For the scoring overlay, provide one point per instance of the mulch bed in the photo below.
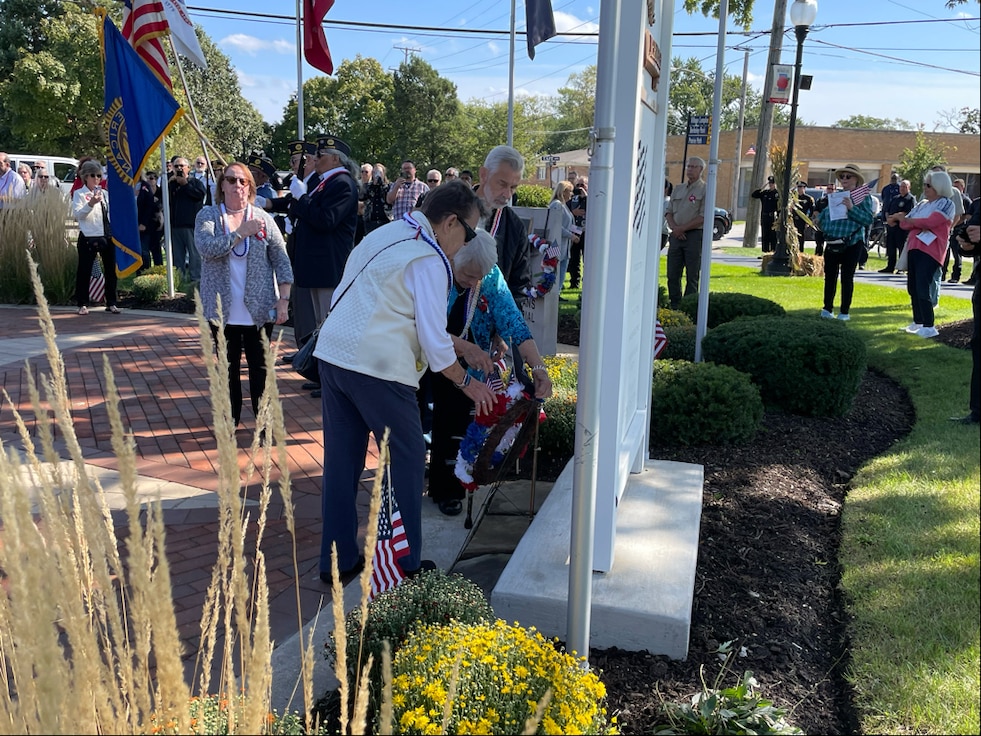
(767, 574)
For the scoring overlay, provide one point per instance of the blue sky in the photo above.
(875, 66)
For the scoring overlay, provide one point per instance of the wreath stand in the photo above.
(484, 474)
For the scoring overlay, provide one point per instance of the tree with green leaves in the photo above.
(915, 162)
(575, 110)
(424, 106)
(869, 122)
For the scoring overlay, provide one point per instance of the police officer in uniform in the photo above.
(768, 213)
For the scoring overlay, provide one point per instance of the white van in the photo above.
(62, 168)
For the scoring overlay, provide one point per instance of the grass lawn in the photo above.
(911, 525)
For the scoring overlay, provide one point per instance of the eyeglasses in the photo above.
(93, 176)
(843, 177)
(469, 232)
(201, 163)
(928, 185)
(433, 181)
(237, 180)
(43, 176)
(180, 166)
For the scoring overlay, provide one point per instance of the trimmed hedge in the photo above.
(807, 366)
(681, 343)
(726, 306)
(703, 403)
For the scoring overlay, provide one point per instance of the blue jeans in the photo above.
(921, 274)
(353, 405)
(182, 242)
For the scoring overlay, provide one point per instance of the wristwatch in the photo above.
(464, 383)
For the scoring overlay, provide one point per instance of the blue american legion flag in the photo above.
(390, 546)
(138, 112)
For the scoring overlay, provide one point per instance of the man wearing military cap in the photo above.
(263, 171)
(325, 219)
(768, 213)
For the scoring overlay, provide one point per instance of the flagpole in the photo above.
(299, 75)
(511, 82)
(205, 143)
(168, 251)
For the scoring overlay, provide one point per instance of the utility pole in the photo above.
(407, 50)
(739, 134)
(766, 125)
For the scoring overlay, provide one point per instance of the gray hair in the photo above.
(89, 167)
(940, 181)
(504, 155)
(697, 160)
(481, 253)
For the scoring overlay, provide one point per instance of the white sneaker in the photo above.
(844, 317)
(826, 314)
(912, 328)
(927, 332)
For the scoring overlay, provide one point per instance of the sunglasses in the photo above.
(237, 180)
(44, 176)
(433, 181)
(928, 185)
(93, 176)
(469, 232)
(842, 177)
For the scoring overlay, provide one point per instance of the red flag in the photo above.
(660, 339)
(145, 26)
(314, 41)
(390, 547)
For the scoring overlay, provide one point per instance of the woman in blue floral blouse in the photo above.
(482, 319)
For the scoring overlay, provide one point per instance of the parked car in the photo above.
(60, 167)
(722, 224)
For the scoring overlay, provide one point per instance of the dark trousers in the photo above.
(249, 339)
(353, 405)
(976, 356)
(895, 240)
(151, 245)
(920, 275)
(818, 243)
(953, 253)
(767, 232)
(88, 249)
(424, 397)
(452, 414)
(684, 257)
(843, 264)
(575, 262)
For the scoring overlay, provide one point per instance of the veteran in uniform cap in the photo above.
(325, 218)
(263, 172)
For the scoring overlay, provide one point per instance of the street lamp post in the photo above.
(802, 15)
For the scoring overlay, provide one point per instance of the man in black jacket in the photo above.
(499, 178)
(895, 235)
(768, 213)
(186, 200)
(325, 219)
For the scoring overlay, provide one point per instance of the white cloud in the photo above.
(566, 23)
(267, 93)
(252, 46)
(493, 48)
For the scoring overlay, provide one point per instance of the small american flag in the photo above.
(859, 195)
(97, 283)
(390, 547)
(494, 381)
(660, 339)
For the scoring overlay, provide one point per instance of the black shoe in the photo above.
(885, 270)
(954, 280)
(288, 358)
(310, 386)
(426, 565)
(450, 507)
(315, 394)
(346, 575)
(969, 419)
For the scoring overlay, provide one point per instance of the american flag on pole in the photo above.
(859, 194)
(660, 339)
(390, 547)
(494, 381)
(145, 26)
(97, 283)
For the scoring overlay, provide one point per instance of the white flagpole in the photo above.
(299, 75)
(511, 82)
(168, 252)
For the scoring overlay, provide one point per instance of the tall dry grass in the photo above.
(39, 224)
(89, 644)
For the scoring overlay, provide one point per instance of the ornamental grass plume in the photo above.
(90, 645)
(505, 671)
(42, 225)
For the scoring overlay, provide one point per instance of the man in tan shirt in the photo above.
(685, 217)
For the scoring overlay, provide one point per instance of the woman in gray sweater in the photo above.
(244, 261)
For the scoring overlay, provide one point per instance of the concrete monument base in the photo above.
(645, 601)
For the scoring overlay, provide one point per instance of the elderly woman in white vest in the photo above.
(386, 325)
(243, 260)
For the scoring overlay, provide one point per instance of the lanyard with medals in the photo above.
(421, 232)
(224, 224)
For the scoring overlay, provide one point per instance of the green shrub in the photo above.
(531, 195)
(501, 673)
(807, 366)
(681, 342)
(149, 288)
(433, 597)
(703, 403)
(557, 434)
(662, 294)
(673, 317)
(726, 306)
